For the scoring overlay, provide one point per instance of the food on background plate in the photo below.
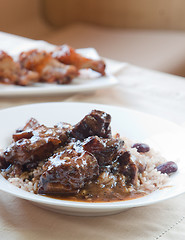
(49, 69)
(82, 162)
(12, 73)
(60, 66)
(69, 56)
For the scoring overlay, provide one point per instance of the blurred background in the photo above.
(146, 33)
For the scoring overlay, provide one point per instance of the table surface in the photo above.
(139, 89)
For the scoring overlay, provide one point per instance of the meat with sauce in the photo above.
(127, 167)
(96, 123)
(34, 144)
(80, 162)
(67, 172)
(31, 124)
(104, 149)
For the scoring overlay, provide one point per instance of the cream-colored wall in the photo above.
(148, 14)
(37, 18)
(22, 17)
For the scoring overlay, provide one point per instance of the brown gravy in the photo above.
(125, 197)
(94, 193)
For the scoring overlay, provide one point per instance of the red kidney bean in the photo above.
(167, 167)
(141, 147)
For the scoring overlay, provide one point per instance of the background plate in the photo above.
(87, 81)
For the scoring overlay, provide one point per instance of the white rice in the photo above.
(150, 179)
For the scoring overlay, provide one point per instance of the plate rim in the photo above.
(59, 89)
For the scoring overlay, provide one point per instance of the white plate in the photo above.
(78, 85)
(167, 137)
(87, 81)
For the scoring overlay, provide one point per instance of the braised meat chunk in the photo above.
(49, 69)
(104, 149)
(33, 145)
(3, 163)
(31, 124)
(68, 55)
(111, 152)
(67, 172)
(27, 130)
(96, 123)
(127, 167)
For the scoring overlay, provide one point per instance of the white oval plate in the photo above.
(165, 136)
(87, 81)
(42, 89)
